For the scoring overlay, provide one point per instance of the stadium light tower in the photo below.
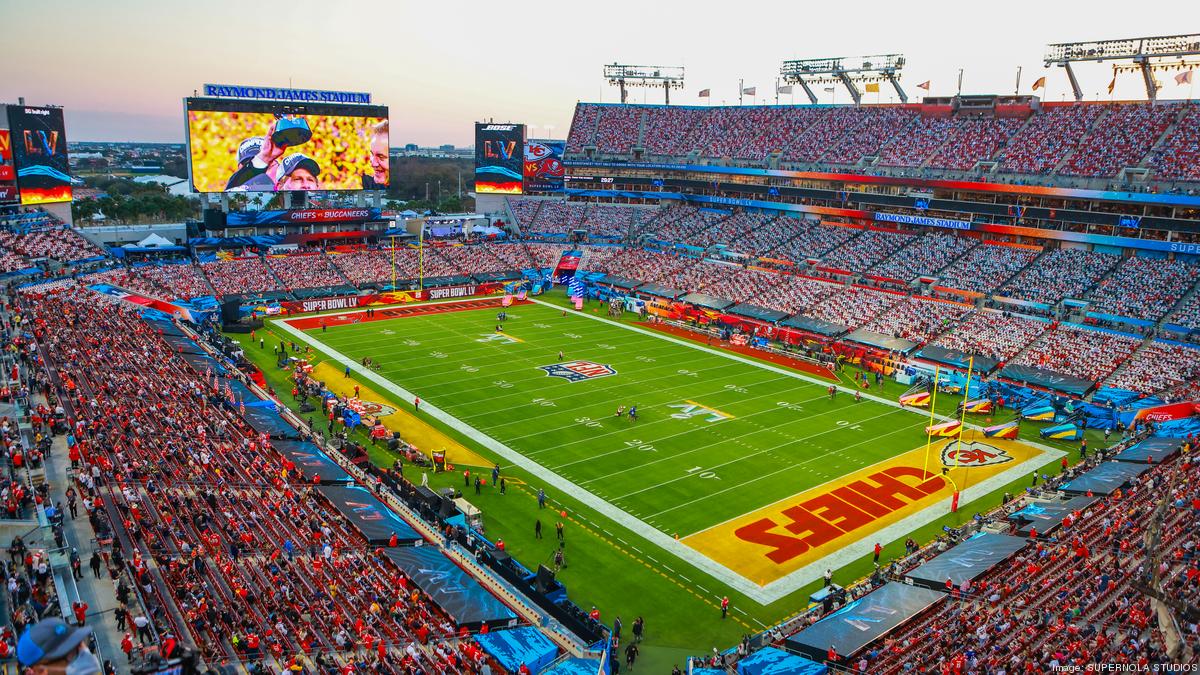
(848, 71)
(652, 77)
(1146, 52)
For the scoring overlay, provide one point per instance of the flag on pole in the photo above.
(787, 89)
(1184, 78)
(1039, 83)
(872, 88)
(924, 85)
(1113, 84)
(750, 91)
(705, 93)
(828, 90)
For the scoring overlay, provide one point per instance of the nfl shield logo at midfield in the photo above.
(574, 371)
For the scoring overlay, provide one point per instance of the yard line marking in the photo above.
(745, 457)
(838, 451)
(653, 441)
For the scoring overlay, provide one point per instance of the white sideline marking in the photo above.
(763, 595)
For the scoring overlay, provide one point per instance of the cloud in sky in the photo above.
(122, 68)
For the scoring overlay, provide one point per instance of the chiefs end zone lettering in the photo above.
(826, 517)
(778, 539)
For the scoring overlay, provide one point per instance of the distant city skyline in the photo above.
(122, 69)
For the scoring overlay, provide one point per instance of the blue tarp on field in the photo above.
(1105, 479)
(862, 621)
(373, 519)
(574, 666)
(462, 597)
(1152, 450)
(519, 645)
(967, 561)
(312, 461)
(1046, 517)
(772, 661)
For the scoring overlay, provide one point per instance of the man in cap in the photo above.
(298, 172)
(257, 156)
(250, 176)
(51, 646)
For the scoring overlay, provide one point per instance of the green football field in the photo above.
(714, 438)
(718, 436)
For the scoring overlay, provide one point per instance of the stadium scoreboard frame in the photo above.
(375, 120)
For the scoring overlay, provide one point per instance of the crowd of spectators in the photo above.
(853, 306)
(1121, 139)
(924, 256)
(259, 566)
(972, 140)
(373, 266)
(1178, 156)
(1159, 366)
(1144, 288)
(1093, 140)
(583, 127)
(991, 334)
(617, 129)
(1065, 601)
(58, 243)
(918, 319)
(1060, 273)
(984, 268)
(1085, 353)
(1188, 314)
(240, 275)
(867, 250)
(305, 270)
(1048, 137)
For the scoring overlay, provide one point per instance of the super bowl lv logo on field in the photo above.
(574, 371)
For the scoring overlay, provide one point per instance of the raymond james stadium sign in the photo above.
(282, 94)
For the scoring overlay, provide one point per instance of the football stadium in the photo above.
(759, 388)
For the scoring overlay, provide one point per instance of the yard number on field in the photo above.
(696, 471)
(639, 445)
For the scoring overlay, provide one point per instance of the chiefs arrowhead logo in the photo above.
(973, 454)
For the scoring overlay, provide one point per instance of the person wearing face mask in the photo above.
(51, 647)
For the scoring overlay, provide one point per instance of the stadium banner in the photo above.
(499, 158)
(38, 137)
(927, 221)
(462, 597)
(543, 165)
(301, 216)
(288, 94)
(328, 304)
(771, 542)
(1032, 375)
(248, 146)
(1172, 411)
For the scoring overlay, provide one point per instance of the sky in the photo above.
(122, 67)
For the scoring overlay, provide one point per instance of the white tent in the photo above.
(151, 241)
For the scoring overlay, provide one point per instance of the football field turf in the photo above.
(749, 471)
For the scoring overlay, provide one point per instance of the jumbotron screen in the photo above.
(39, 148)
(499, 158)
(250, 146)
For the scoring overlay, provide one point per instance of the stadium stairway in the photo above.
(1097, 125)
(1128, 360)
(1161, 140)
(340, 273)
(1184, 299)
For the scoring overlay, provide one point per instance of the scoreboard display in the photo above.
(499, 158)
